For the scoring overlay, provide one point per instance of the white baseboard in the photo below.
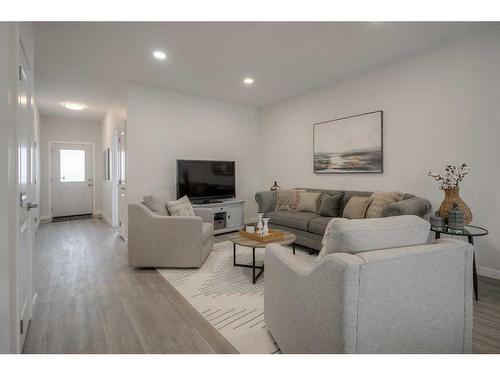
(488, 272)
(105, 218)
(45, 219)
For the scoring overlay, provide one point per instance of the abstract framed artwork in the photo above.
(350, 144)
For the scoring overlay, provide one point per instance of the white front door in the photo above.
(25, 228)
(122, 184)
(72, 179)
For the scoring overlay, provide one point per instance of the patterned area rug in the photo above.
(225, 296)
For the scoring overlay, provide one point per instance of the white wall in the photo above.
(116, 117)
(64, 129)
(440, 107)
(164, 126)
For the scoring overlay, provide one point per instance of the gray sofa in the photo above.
(309, 227)
(377, 287)
(168, 241)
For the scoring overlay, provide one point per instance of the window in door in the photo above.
(72, 165)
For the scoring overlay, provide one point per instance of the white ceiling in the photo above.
(90, 62)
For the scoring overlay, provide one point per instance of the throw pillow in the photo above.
(157, 203)
(180, 207)
(330, 204)
(380, 200)
(287, 200)
(308, 201)
(356, 207)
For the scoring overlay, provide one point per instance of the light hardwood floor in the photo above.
(90, 301)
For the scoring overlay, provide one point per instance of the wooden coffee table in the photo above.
(288, 239)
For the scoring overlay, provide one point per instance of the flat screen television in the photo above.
(206, 180)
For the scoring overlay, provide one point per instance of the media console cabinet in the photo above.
(228, 215)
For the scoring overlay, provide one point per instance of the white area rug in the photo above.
(225, 296)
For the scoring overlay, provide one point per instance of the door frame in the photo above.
(49, 169)
(115, 216)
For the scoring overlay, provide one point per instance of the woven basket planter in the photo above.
(451, 196)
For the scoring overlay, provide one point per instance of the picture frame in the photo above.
(351, 144)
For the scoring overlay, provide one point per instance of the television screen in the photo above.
(205, 179)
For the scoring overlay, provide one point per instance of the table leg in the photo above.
(474, 271)
(293, 247)
(437, 236)
(234, 254)
(253, 264)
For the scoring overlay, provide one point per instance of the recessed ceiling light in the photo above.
(160, 55)
(73, 106)
(248, 81)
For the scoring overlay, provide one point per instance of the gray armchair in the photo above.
(412, 298)
(168, 241)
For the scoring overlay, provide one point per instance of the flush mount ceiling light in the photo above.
(74, 106)
(248, 81)
(160, 55)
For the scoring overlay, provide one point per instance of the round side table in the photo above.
(469, 231)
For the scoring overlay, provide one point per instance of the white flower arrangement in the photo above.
(452, 177)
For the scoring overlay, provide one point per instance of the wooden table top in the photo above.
(288, 239)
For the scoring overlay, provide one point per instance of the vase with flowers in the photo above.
(449, 184)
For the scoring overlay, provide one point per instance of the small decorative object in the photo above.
(273, 235)
(456, 218)
(350, 144)
(449, 184)
(275, 186)
(260, 225)
(437, 222)
(265, 229)
(250, 229)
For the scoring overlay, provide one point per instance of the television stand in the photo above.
(228, 215)
(205, 202)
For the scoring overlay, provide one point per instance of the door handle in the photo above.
(31, 205)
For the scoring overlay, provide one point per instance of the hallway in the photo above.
(90, 301)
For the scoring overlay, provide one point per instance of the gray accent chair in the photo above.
(168, 241)
(364, 295)
(310, 227)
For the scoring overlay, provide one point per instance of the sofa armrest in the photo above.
(310, 307)
(412, 206)
(206, 214)
(288, 261)
(266, 200)
(153, 238)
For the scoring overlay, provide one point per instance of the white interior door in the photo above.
(122, 183)
(72, 179)
(25, 190)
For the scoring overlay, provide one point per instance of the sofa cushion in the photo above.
(287, 200)
(308, 201)
(330, 204)
(207, 231)
(381, 200)
(157, 203)
(356, 207)
(292, 219)
(319, 224)
(180, 207)
(348, 194)
(353, 236)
